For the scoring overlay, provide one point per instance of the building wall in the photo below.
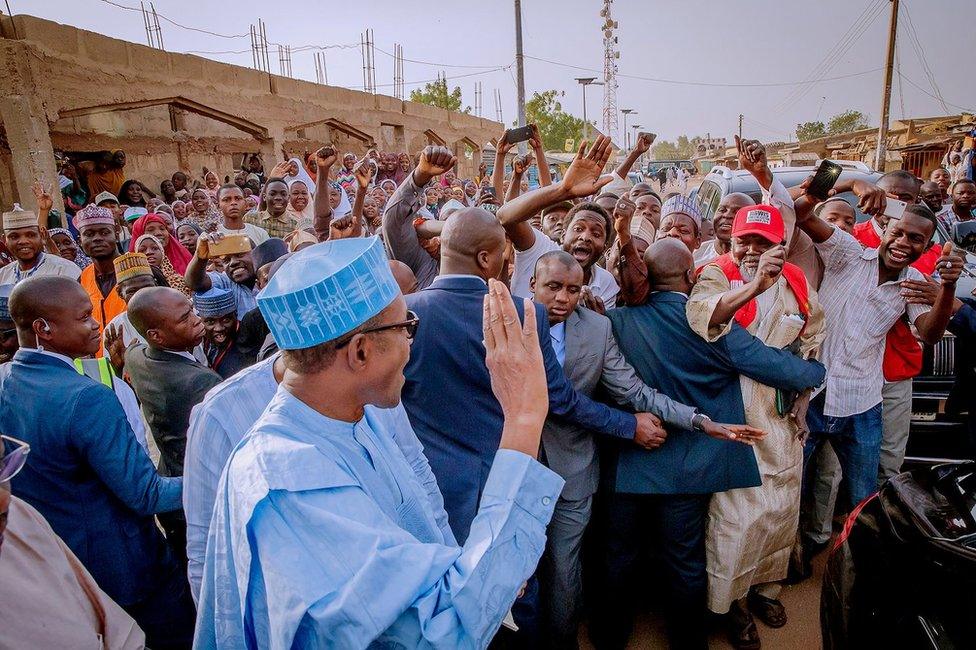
(48, 69)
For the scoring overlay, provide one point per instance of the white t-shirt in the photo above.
(601, 284)
(257, 234)
(49, 265)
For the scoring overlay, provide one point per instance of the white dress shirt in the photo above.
(601, 281)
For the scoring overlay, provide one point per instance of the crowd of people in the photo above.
(363, 401)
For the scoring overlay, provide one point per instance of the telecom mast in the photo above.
(610, 56)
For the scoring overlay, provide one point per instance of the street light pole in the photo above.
(635, 127)
(626, 112)
(585, 81)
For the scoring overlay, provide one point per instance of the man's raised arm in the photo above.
(581, 179)
(321, 204)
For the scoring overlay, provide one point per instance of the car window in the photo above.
(709, 196)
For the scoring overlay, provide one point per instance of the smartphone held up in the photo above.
(824, 180)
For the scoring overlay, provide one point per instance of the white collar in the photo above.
(877, 228)
(57, 355)
(462, 275)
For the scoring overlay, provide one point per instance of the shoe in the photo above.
(741, 628)
(770, 611)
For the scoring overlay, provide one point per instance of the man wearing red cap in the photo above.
(753, 286)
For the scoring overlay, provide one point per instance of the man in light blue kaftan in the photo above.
(324, 533)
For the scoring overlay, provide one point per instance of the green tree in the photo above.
(555, 126)
(436, 94)
(846, 122)
(682, 149)
(810, 131)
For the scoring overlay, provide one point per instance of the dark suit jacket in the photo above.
(669, 356)
(448, 395)
(593, 360)
(87, 474)
(963, 325)
(168, 387)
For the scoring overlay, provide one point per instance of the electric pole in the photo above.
(881, 152)
(520, 71)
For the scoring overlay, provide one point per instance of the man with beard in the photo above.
(753, 286)
(221, 327)
(230, 201)
(273, 220)
(98, 235)
(169, 382)
(399, 233)
(238, 277)
(670, 487)
(587, 226)
(8, 332)
(722, 228)
(862, 297)
(88, 476)
(22, 235)
(963, 204)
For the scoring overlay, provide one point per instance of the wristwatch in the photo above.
(698, 421)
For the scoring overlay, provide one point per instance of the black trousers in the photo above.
(674, 525)
(167, 616)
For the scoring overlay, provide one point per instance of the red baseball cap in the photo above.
(762, 220)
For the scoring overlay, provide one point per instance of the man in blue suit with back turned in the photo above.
(86, 473)
(670, 487)
(448, 394)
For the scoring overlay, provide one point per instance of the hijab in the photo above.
(175, 252)
(173, 279)
(306, 217)
(302, 175)
(81, 259)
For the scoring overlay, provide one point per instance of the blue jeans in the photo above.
(856, 440)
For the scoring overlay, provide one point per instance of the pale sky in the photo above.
(747, 42)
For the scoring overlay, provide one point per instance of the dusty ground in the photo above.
(802, 632)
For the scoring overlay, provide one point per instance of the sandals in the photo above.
(741, 628)
(770, 611)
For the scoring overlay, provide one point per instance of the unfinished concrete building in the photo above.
(76, 91)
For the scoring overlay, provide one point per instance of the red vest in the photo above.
(794, 279)
(903, 354)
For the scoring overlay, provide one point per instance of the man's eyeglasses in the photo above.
(14, 458)
(409, 325)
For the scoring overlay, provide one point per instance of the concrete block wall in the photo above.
(65, 68)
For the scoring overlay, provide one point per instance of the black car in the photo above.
(902, 574)
(934, 433)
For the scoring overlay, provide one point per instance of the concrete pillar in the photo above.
(32, 154)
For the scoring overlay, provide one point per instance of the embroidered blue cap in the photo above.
(5, 290)
(214, 303)
(684, 205)
(327, 290)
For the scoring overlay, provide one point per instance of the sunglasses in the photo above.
(409, 325)
(13, 461)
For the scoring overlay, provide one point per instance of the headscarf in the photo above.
(344, 206)
(81, 259)
(173, 279)
(211, 219)
(174, 251)
(306, 216)
(302, 175)
(208, 175)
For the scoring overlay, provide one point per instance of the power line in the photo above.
(707, 83)
(438, 65)
(173, 22)
(920, 53)
(922, 90)
(834, 54)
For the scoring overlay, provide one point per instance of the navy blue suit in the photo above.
(88, 476)
(448, 395)
(672, 485)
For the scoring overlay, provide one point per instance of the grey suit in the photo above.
(592, 359)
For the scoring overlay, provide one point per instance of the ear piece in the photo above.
(44, 325)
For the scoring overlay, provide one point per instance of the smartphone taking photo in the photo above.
(521, 134)
(825, 178)
(894, 209)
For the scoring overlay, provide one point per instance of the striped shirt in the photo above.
(858, 312)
